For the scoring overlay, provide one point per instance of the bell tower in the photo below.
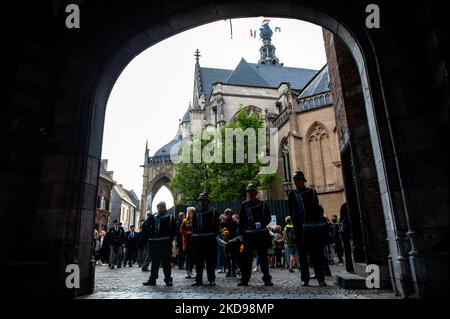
(267, 50)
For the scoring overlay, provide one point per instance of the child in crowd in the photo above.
(289, 237)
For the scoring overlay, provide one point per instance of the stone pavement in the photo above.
(126, 283)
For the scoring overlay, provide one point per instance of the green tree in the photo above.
(223, 181)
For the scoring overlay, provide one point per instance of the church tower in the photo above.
(267, 50)
(198, 101)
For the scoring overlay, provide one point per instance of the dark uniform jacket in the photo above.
(160, 227)
(116, 236)
(304, 208)
(251, 213)
(205, 222)
(131, 239)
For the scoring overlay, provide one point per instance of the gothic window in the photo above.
(328, 98)
(320, 161)
(316, 101)
(322, 100)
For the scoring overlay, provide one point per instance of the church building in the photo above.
(296, 101)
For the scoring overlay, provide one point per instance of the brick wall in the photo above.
(351, 119)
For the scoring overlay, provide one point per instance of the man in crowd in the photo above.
(254, 219)
(116, 239)
(181, 256)
(144, 235)
(345, 236)
(205, 224)
(161, 229)
(336, 240)
(131, 238)
(311, 231)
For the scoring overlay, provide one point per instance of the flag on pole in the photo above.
(253, 33)
(277, 29)
(265, 21)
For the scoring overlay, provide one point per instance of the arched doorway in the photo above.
(161, 183)
(98, 55)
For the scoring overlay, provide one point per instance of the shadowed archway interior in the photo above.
(81, 66)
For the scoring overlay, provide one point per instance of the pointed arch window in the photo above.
(319, 149)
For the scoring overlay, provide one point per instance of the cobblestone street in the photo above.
(126, 283)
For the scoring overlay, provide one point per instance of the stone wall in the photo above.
(353, 130)
(58, 81)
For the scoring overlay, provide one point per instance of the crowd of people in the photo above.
(228, 242)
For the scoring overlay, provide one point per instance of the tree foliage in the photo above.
(223, 181)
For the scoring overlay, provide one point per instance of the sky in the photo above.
(154, 90)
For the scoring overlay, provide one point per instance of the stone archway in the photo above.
(158, 171)
(89, 60)
(156, 184)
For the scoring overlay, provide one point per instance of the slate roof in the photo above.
(123, 194)
(165, 150)
(318, 84)
(104, 174)
(210, 76)
(132, 196)
(244, 74)
(187, 116)
(255, 74)
(274, 75)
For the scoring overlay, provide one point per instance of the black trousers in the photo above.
(278, 256)
(189, 260)
(252, 244)
(130, 255)
(161, 251)
(230, 261)
(205, 251)
(317, 257)
(348, 253)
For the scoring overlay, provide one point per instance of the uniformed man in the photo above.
(131, 238)
(116, 238)
(311, 231)
(254, 217)
(205, 228)
(161, 234)
(144, 236)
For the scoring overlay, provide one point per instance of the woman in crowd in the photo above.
(186, 237)
(278, 245)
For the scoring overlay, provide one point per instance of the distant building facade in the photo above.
(105, 186)
(296, 101)
(123, 208)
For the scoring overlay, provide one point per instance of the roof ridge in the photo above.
(239, 68)
(315, 77)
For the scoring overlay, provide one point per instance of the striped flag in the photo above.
(253, 33)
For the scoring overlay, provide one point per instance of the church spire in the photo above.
(146, 152)
(267, 50)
